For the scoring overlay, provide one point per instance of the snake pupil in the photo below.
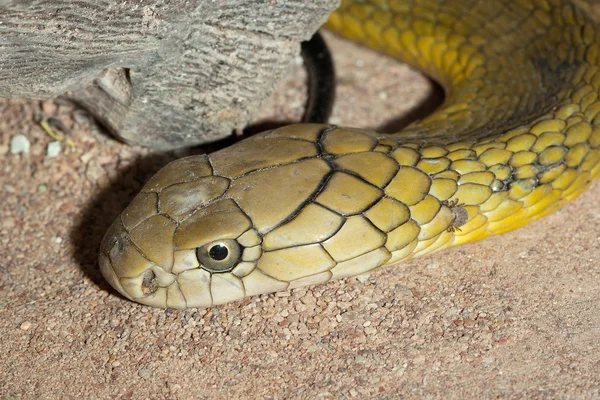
(218, 252)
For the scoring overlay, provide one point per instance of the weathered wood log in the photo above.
(159, 74)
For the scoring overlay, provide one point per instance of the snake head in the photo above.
(194, 235)
(268, 214)
(179, 243)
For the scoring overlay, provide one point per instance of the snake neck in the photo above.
(529, 59)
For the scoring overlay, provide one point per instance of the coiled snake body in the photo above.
(517, 137)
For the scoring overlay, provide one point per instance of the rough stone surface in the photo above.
(514, 316)
(159, 74)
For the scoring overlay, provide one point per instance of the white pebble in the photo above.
(19, 144)
(53, 149)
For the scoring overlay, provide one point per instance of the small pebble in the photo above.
(25, 326)
(53, 149)
(85, 158)
(42, 188)
(488, 361)
(19, 144)
(370, 330)
(145, 373)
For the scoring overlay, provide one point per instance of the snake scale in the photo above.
(517, 137)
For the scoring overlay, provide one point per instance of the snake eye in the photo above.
(218, 252)
(219, 256)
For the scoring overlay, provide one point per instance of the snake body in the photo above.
(517, 137)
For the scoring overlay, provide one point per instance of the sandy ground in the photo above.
(515, 316)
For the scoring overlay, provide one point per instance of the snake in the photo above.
(517, 137)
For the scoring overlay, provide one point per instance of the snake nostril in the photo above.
(149, 283)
